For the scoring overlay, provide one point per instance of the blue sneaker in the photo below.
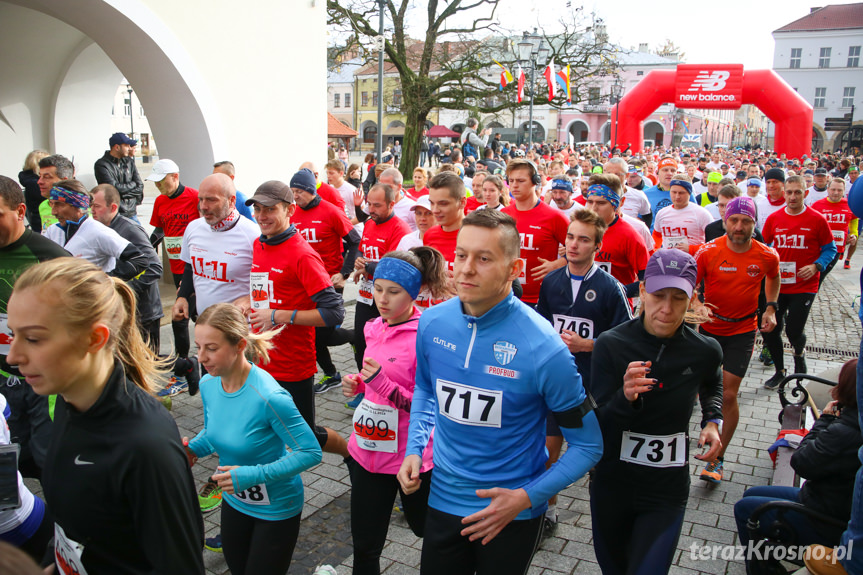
(214, 544)
(175, 386)
(356, 401)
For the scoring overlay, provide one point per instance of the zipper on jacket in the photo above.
(470, 347)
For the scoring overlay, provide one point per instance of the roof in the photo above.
(343, 73)
(336, 129)
(834, 17)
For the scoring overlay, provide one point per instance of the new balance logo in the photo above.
(707, 82)
(687, 371)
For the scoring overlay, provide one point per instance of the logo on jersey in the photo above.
(727, 267)
(707, 82)
(504, 352)
(444, 343)
(753, 271)
(663, 203)
(590, 295)
(501, 371)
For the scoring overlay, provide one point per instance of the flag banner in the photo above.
(520, 84)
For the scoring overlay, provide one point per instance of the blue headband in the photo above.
(71, 197)
(402, 273)
(604, 191)
(682, 184)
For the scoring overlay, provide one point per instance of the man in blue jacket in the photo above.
(489, 369)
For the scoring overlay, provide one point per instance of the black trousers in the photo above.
(256, 546)
(372, 498)
(303, 394)
(362, 314)
(326, 337)
(447, 552)
(180, 328)
(792, 315)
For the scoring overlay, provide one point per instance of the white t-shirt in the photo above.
(764, 208)
(714, 166)
(642, 230)
(94, 241)
(636, 203)
(814, 195)
(402, 209)
(698, 188)
(347, 190)
(568, 211)
(412, 240)
(682, 228)
(713, 208)
(222, 261)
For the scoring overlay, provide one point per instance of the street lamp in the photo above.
(532, 52)
(131, 113)
(616, 93)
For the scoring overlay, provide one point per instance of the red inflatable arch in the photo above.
(716, 86)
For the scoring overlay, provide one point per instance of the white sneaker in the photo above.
(325, 570)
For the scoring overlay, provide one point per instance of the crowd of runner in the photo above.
(510, 301)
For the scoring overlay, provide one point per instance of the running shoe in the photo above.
(210, 496)
(800, 363)
(356, 401)
(775, 380)
(193, 377)
(176, 386)
(327, 383)
(549, 526)
(847, 265)
(325, 570)
(765, 357)
(713, 472)
(214, 544)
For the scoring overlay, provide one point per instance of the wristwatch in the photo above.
(819, 267)
(772, 304)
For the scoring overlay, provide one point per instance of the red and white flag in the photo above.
(550, 78)
(520, 84)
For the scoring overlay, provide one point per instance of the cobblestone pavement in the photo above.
(834, 335)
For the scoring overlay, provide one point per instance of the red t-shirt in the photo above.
(324, 226)
(542, 229)
(331, 195)
(415, 194)
(623, 251)
(839, 216)
(580, 199)
(378, 239)
(798, 240)
(444, 242)
(295, 272)
(471, 204)
(732, 282)
(173, 215)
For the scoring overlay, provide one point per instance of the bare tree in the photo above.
(669, 49)
(453, 66)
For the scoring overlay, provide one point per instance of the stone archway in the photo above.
(580, 131)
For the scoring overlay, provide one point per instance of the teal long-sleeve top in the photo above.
(260, 429)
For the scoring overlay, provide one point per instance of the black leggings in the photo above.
(256, 546)
(180, 328)
(828, 269)
(446, 550)
(325, 337)
(372, 497)
(150, 332)
(796, 306)
(303, 394)
(632, 541)
(362, 314)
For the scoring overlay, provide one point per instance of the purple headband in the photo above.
(742, 205)
(71, 197)
(682, 184)
(400, 272)
(604, 191)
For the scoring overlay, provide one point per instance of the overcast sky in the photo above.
(727, 31)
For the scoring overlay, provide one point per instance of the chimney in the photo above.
(814, 9)
(642, 47)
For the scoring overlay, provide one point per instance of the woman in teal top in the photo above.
(262, 441)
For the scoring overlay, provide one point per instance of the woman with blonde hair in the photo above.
(116, 477)
(29, 178)
(262, 440)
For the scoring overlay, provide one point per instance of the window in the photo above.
(397, 97)
(593, 96)
(141, 113)
(639, 73)
(336, 98)
(365, 98)
(796, 55)
(820, 97)
(127, 107)
(848, 97)
(370, 134)
(347, 99)
(824, 59)
(854, 56)
(375, 98)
